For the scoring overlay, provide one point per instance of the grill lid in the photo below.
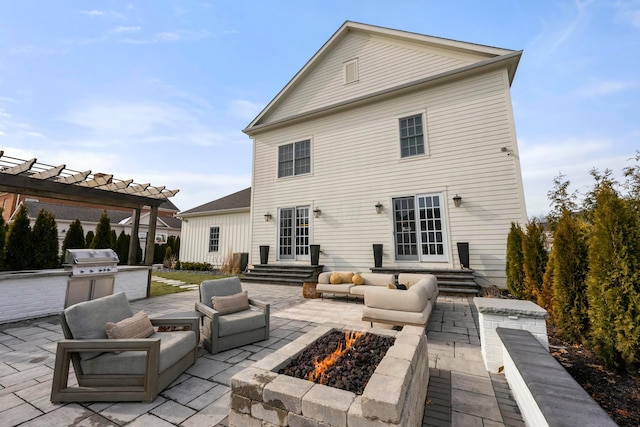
(91, 257)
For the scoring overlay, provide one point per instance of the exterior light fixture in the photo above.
(267, 217)
(317, 212)
(379, 208)
(457, 201)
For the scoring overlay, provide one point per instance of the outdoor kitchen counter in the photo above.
(38, 293)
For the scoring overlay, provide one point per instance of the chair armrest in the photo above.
(259, 303)
(105, 345)
(192, 323)
(206, 310)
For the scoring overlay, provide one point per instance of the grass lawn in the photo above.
(159, 289)
(187, 276)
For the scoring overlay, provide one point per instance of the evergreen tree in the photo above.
(514, 270)
(45, 237)
(570, 256)
(88, 239)
(545, 298)
(113, 238)
(74, 239)
(535, 260)
(3, 239)
(19, 248)
(122, 247)
(139, 253)
(102, 239)
(176, 247)
(613, 281)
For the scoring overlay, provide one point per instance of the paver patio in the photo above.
(461, 392)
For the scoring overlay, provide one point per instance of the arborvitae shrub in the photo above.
(515, 273)
(545, 297)
(19, 248)
(45, 234)
(74, 239)
(176, 247)
(89, 238)
(102, 239)
(570, 256)
(534, 260)
(613, 281)
(122, 247)
(113, 238)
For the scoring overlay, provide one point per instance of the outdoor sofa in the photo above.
(412, 306)
(347, 282)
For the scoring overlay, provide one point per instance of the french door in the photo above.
(419, 228)
(293, 233)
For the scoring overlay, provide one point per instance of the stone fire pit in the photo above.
(394, 396)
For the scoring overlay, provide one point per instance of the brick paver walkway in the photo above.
(461, 392)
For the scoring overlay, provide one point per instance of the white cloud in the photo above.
(541, 161)
(599, 88)
(106, 13)
(93, 12)
(244, 109)
(122, 29)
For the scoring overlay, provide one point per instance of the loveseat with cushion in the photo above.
(351, 284)
(402, 307)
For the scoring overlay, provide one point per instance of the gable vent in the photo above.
(351, 71)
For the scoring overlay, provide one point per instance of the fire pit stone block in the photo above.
(286, 392)
(384, 397)
(327, 404)
(270, 414)
(241, 404)
(250, 382)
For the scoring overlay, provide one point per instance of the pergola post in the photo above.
(133, 243)
(151, 236)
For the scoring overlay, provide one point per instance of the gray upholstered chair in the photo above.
(222, 332)
(118, 369)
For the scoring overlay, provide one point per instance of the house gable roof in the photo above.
(404, 59)
(240, 200)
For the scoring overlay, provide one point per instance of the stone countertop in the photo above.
(509, 307)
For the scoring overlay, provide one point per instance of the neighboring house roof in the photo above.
(240, 200)
(168, 205)
(88, 215)
(485, 56)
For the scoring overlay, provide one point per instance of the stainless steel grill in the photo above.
(91, 262)
(92, 274)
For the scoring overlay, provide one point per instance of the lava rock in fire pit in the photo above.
(352, 367)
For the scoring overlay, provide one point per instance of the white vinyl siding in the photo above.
(234, 236)
(356, 164)
(381, 64)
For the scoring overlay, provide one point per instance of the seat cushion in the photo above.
(412, 300)
(334, 289)
(397, 317)
(173, 347)
(241, 321)
(378, 279)
(87, 320)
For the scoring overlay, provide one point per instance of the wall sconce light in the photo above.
(317, 212)
(379, 208)
(457, 201)
(267, 217)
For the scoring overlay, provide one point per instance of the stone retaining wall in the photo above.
(394, 396)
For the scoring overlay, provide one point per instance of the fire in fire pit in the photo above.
(341, 360)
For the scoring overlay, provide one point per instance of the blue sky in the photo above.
(159, 91)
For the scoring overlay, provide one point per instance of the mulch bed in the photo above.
(618, 393)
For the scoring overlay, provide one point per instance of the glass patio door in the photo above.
(419, 228)
(293, 233)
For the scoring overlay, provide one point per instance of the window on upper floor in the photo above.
(412, 136)
(214, 239)
(294, 159)
(351, 71)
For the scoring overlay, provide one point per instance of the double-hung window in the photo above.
(294, 158)
(214, 239)
(411, 136)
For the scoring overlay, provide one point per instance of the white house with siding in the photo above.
(370, 143)
(213, 230)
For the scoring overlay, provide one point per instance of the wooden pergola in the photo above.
(58, 182)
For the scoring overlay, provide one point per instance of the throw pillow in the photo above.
(391, 286)
(136, 326)
(231, 303)
(335, 279)
(401, 287)
(357, 279)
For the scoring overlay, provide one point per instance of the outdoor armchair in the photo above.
(121, 369)
(233, 322)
